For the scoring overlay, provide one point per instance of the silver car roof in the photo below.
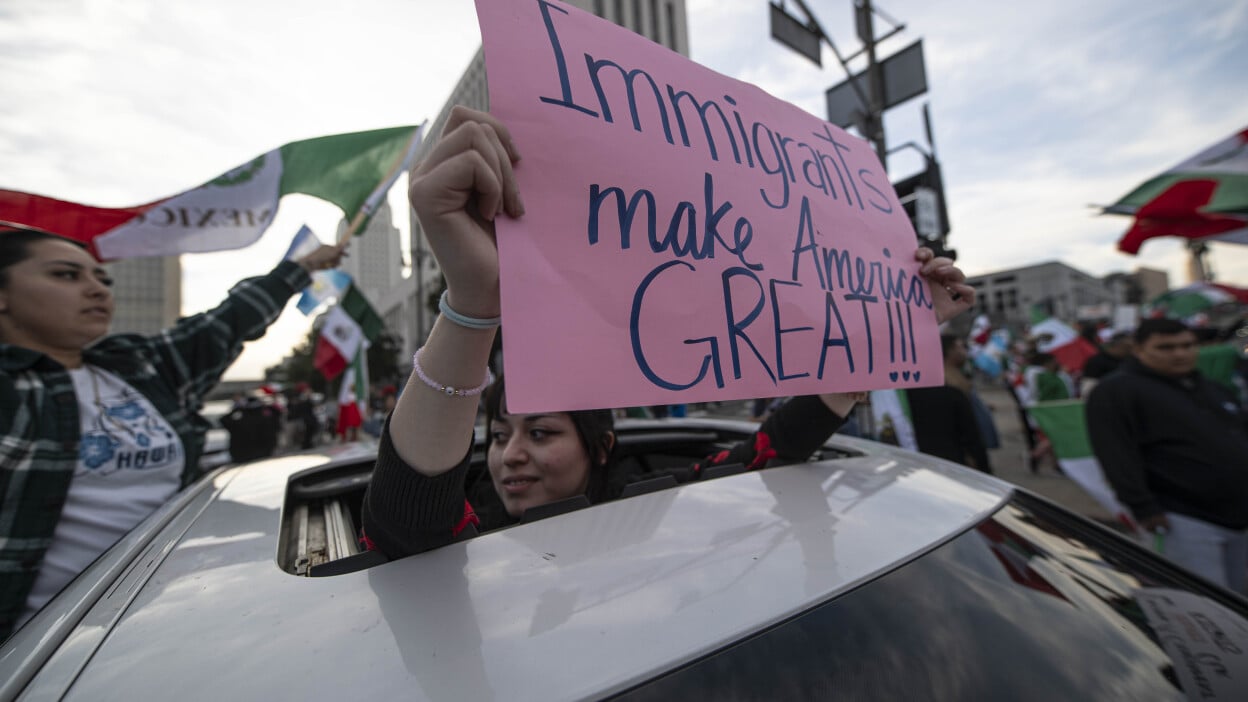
(576, 606)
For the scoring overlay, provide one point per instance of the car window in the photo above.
(1028, 605)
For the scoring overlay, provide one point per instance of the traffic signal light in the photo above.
(922, 195)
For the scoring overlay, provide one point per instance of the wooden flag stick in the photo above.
(391, 176)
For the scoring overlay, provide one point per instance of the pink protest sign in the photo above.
(687, 236)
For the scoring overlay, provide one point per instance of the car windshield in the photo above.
(1028, 605)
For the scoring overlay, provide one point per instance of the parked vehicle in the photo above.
(866, 572)
(217, 440)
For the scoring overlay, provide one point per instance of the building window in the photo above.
(655, 33)
(638, 25)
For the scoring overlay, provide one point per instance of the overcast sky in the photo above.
(1039, 109)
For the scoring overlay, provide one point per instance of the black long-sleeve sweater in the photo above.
(406, 512)
(1171, 444)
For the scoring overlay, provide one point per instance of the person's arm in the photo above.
(457, 191)
(1115, 438)
(198, 349)
(405, 512)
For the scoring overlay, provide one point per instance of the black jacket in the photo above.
(1171, 444)
(945, 426)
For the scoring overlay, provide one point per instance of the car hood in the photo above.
(580, 605)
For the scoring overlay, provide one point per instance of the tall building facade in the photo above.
(147, 293)
(374, 258)
(661, 21)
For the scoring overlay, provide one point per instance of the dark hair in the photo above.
(15, 247)
(1041, 358)
(1158, 326)
(594, 428)
(946, 343)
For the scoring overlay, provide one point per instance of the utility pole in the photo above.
(862, 99)
(872, 121)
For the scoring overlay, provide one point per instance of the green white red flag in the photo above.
(1205, 197)
(354, 171)
(890, 412)
(1060, 339)
(348, 328)
(1065, 424)
(1189, 301)
(354, 387)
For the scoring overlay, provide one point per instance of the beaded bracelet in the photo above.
(445, 389)
(464, 320)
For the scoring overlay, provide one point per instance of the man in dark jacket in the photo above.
(1174, 446)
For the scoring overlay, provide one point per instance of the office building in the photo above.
(1061, 291)
(147, 294)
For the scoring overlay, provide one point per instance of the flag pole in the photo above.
(369, 205)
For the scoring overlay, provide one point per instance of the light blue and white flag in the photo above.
(325, 284)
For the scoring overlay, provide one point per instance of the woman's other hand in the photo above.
(842, 403)
(951, 295)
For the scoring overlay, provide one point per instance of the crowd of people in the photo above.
(269, 420)
(1164, 406)
(97, 430)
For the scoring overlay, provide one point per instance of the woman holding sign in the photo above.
(416, 500)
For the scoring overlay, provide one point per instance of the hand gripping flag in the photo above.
(325, 284)
(354, 171)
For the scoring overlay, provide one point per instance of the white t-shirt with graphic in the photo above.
(129, 463)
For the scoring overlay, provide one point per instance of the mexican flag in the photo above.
(354, 171)
(1060, 339)
(1204, 197)
(890, 410)
(349, 327)
(1191, 300)
(355, 381)
(1066, 426)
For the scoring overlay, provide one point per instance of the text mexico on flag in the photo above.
(348, 327)
(353, 171)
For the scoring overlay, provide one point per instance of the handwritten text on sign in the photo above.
(687, 237)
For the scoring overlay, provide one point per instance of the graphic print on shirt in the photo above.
(124, 435)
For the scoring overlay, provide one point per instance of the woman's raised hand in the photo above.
(951, 295)
(457, 191)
